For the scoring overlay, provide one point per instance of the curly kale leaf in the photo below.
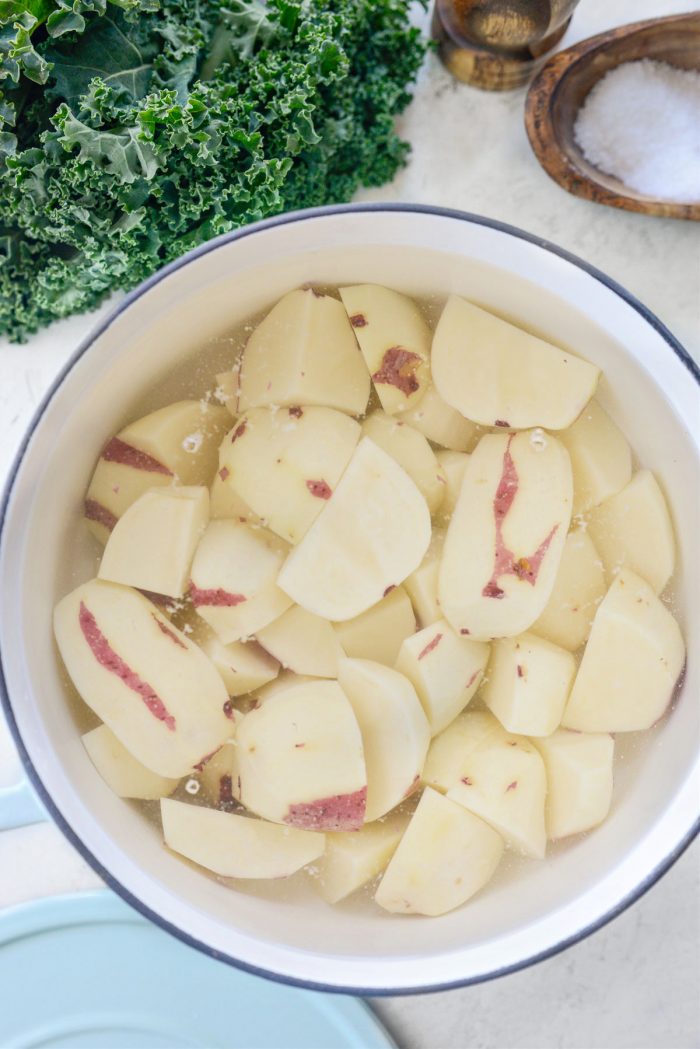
(156, 130)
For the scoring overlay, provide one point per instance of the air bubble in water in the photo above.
(193, 442)
(192, 786)
(538, 439)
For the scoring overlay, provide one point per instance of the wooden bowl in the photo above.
(560, 88)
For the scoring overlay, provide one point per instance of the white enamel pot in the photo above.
(650, 386)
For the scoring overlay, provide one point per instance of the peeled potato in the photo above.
(303, 352)
(153, 542)
(395, 343)
(440, 423)
(422, 584)
(286, 463)
(412, 452)
(395, 731)
(366, 540)
(174, 445)
(234, 579)
(633, 530)
(499, 375)
(579, 768)
(352, 858)
(601, 458)
(445, 856)
(503, 781)
(153, 687)
(528, 682)
(444, 765)
(303, 643)
(377, 634)
(120, 770)
(453, 466)
(299, 758)
(579, 587)
(244, 666)
(506, 536)
(445, 669)
(631, 664)
(236, 846)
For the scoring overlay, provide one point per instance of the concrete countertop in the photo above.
(635, 982)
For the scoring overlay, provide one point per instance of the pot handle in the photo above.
(19, 806)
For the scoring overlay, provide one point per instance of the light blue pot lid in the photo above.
(86, 972)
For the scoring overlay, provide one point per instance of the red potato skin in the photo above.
(358, 320)
(224, 472)
(118, 451)
(202, 762)
(505, 561)
(398, 368)
(218, 598)
(95, 511)
(108, 658)
(239, 431)
(338, 813)
(320, 489)
(431, 646)
(164, 629)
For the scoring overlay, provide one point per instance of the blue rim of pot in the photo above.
(112, 883)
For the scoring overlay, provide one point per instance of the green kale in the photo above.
(133, 130)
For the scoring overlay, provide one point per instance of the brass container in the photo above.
(498, 45)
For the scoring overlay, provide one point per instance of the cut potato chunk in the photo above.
(445, 856)
(579, 587)
(579, 770)
(499, 375)
(224, 500)
(440, 423)
(631, 664)
(236, 846)
(174, 444)
(633, 530)
(377, 633)
(422, 585)
(506, 536)
(299, 758)
(285, 463)
(503, 781)
(352, 858)
(601, 458)
(445, 670)
(153, 687)
(303, 643)
(368, 538)
(217, 774)
(453, 466)
(304, 352)
(234, 579)
(395, 343)
(395, 731)
(411, 451)
(443, 767)
(153, 542)
(284, 680)
(244, 666)
(527, 684)
(120, 770)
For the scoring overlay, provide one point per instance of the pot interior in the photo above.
(164, 345)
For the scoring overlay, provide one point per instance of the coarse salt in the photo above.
(641, 123)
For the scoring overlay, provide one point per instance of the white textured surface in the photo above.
(634, 983)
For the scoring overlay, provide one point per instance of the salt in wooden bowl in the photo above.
(560, 88)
